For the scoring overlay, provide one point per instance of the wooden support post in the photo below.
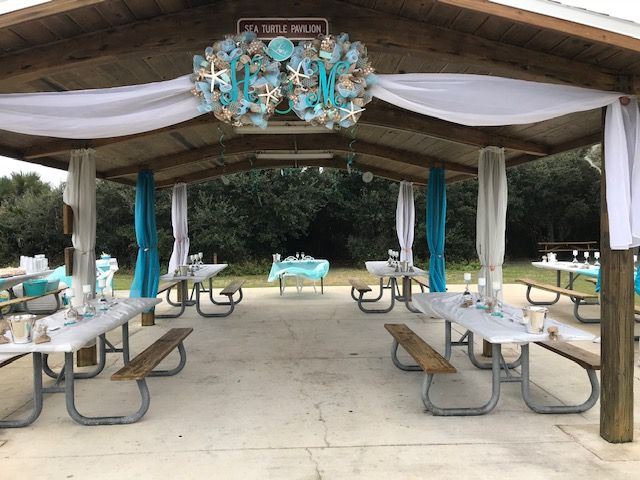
(87, 356)
(148, 319)
(68, 260)
(67, 219)
(617, 317)
(487, 351)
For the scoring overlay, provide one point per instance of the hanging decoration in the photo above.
(325, 81)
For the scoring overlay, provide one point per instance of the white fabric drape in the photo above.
(180, 227)
(405, 221)
(483, 100)
(475, 100)
(80, 195)
(622, 164)
(100, 113)
(492, 213)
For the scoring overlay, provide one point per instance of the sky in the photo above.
(627, 9)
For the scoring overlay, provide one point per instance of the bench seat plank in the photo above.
(19, 300)
(146, 361)
(555, 289)
(164, 286)
(233, 287)
(582, 357)
(359, 285)
(428, 359)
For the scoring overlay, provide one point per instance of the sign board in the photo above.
(292, 28)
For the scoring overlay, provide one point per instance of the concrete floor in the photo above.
(302, 387)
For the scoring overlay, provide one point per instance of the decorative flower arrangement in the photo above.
(242, 80)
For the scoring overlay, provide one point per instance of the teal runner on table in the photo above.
(436, 216)
(311, 269)
(147, 273)
(636, 281)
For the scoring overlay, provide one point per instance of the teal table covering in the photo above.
(311, 269)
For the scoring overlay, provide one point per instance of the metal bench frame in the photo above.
(68, 376)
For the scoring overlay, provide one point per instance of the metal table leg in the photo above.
(37, 397)
(216, 302)
(113, 420)
(381, 310)
(230, 304)
(183, 302)
(538, 408)
(467, 411)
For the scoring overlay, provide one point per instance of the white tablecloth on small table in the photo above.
(570, 267)
(507, 329)
(382, 269)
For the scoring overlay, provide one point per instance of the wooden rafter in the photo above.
(257, 164)
(379, 31)
(43, 10)
(546, 22)
(579, 142)
(256, 143)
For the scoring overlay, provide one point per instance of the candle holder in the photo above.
(586, 258)
(497, 304)
(467, 280)
(596, 255)
(482, 286)
(575, 256)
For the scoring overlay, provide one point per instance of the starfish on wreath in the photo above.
(215, 76)
(296, 74)
(351, 112)
(274, 94)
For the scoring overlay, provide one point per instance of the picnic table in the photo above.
(383, 270)
(202, 273)
(500, 330)
(69, 338)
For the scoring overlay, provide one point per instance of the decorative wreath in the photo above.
(242, 80)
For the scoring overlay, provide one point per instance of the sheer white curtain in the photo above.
(492, 213)
(80, 195)
(405, 220)
(100, 113)
(180, 227)
(622, 163)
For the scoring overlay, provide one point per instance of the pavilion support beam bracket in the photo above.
(67, 219)
(87, 356)
(617, 317)
(148, 319)
(68, 261)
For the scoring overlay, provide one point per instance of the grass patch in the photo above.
(339, 276)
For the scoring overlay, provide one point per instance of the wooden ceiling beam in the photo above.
(45, 161)
(257, 143)
(382, 114)
(43, 10)
(379, 31)
(579, 142)
(256, 164)
(546, 22)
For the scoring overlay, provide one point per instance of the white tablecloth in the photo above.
(205, 272)
(73, 337)
(382, 269)
(494, 329)
(10, 282)
(576, 268)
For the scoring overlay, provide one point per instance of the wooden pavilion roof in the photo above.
(79, 44)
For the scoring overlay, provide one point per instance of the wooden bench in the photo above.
(578, 298)
(164, 286)
(24, 300)
(231, 289)
(426, 357)
(143, 364)
(422, 282)
(359, 285)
